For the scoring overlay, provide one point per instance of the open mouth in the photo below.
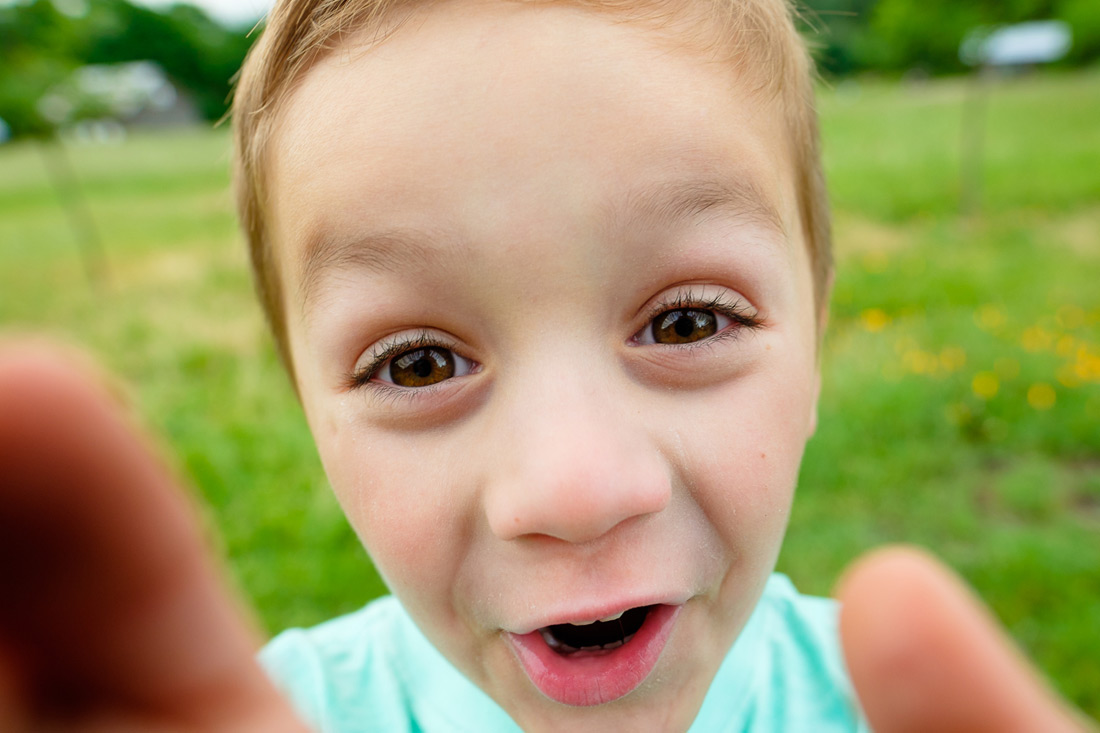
(598, 636)
(593, 663)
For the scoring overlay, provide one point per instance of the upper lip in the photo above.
(583, 613)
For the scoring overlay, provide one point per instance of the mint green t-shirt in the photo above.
(373, 670)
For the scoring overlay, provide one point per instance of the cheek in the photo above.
(744, 466)
(405, 509)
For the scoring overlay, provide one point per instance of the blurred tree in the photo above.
(837, 29)
(927, 34)
(198, 54)
(40, 47)
(34, 55)
(1083, 17)
(899, 35)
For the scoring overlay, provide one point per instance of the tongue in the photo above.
(601, 632)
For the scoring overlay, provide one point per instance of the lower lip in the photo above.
(584, 679)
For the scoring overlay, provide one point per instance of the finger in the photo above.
(925, 655)
(13, 713)
(112, 595)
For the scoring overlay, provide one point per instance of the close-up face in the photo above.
(551, 314)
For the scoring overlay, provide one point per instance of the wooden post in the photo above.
(67, 187)
(972, 141)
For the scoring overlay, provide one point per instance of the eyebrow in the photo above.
(398, 250)
(675, 201)
(381, 252)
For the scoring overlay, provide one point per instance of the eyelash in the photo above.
(735, 309)
(364, 377)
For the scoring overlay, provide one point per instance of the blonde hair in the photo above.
(759, 39)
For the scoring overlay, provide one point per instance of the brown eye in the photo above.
(422, 367)
(683, 326)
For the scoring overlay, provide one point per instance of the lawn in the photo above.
(961, 404)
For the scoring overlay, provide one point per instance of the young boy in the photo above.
(550, 280)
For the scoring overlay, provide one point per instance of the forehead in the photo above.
(501, 102)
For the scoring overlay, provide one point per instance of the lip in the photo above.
(596, 611)
(584, 680)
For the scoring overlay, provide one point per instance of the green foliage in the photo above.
(40, 47)
(837, 29)
(1084, 17)
(901, 35)
(28, 64)
(197, 53)
(961, 371)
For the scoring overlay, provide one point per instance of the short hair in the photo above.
(759, 39)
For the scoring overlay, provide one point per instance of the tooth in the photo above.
(600, 620)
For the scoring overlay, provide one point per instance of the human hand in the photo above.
(115, 619)
(113, 616)
(925, 655)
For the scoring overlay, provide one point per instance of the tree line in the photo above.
(40, 46)
(894, 36)
(43, 41)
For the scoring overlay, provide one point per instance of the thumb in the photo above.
(111, 601)
(925, 655)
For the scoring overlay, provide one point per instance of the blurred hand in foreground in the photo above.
(115, 618)
(926, 655)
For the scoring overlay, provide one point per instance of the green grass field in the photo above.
(961, 408)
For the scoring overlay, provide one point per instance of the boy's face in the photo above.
(552, 318)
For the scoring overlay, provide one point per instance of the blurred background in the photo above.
(961, 408)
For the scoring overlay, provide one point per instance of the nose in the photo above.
(572, 467)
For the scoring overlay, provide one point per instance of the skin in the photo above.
(694, 451)
(91, 519)
(926, 655)
(576, 470)
(115, 617)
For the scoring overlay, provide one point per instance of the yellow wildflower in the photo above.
(985, 385)
(920, 362)
(1036, 338)
(1065, 346)
(1071, 317)
(953, 358)
(989, 317)
(1041, 396)
(874, 319)
(1067, 375)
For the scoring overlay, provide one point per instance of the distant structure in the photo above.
(101, 102)
(1021, 45)
(1008, 48)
